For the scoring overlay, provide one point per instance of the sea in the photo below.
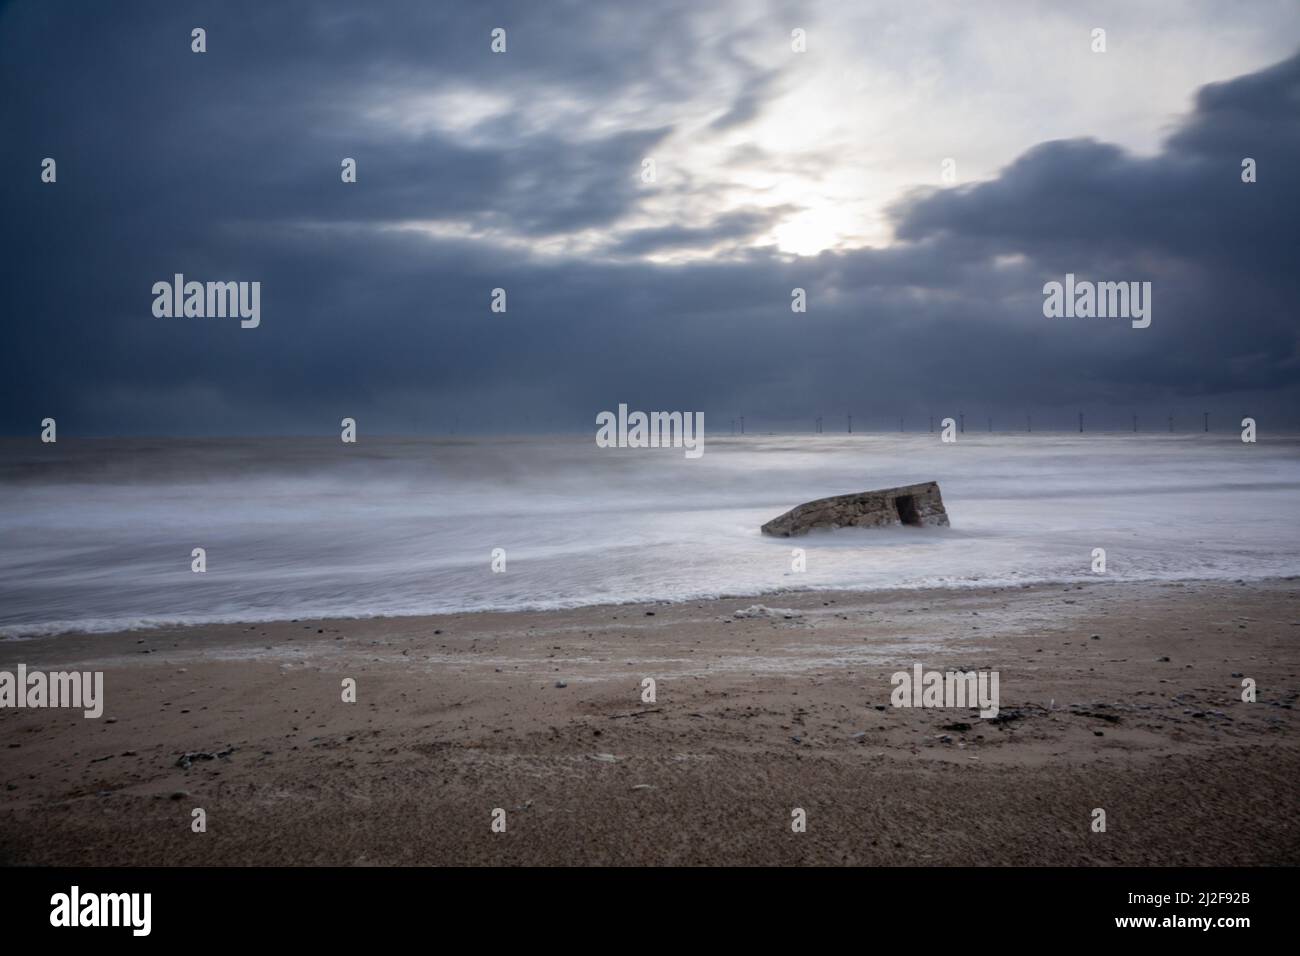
(99, 534)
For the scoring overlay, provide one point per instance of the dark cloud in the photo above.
(1222, 253)
(226, 166)
(744, 224)
(746, 107)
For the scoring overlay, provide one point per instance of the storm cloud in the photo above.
(523, 171)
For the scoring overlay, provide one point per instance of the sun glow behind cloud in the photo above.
(805, 152)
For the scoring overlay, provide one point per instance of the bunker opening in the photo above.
(905, 505)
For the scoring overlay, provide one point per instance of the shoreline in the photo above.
(539, 713)
(753, 597)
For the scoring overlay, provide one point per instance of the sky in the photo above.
(774, 168)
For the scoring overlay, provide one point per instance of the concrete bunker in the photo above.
(919, 505)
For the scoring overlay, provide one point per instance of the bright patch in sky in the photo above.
(814, 146)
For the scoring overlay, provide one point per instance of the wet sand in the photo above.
(1114, 696)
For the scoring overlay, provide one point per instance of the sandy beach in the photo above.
(1125, 697)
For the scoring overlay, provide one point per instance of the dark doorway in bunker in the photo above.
(906, 506)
